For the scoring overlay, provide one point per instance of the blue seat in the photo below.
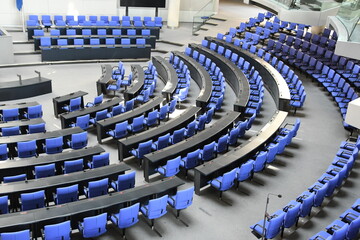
(120, 130)
(137, 125)
(140, 42)
(78, 140)
(172, 105)
(125, 42)
(337, 233)
(272, 226)
(66, 194)
(82, 122)
(54, 32)
(177, 136)
(15, 178)
(33, 112)
(97, 100)
(171, 168)
(233, 136)
(126, 217)
(353, 230)
(94, 43)
(79, 43)
(163, 113)
(97, 188)
(26, 149)
(32, 200)
(245, 171)
(99, 116)
(99, 160)
(144, 96)
(61, 43)
(3, 152)
(124, 181)
(45, 43)
(57, 231)
(10, 131)
(23, 235)
(209, 115)
(116, 110)
(154, 209)
(152, 118)
(53, 145)
(260, 162)
(73, 166)
(222, 144)
(4, 207)
(75, 104)
(182, 200)
(93, 226)
(46, 21)
(44, 171)
(225, 182)
(208, 152)
(10, 114)
(292, 210)
(191, 160)
(162, 142)
(129, 105)
(144, 148)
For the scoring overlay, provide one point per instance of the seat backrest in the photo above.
(163, 141)
(45, 170)
(128, 216)
(192, 159)
(16, 178)
(83, 121)
(178, 135)
(94, 226)
(271, 152)
(58, 231)
(75, 103)
(138, 123)
(25, 234)
(233, 136)
(222, 143)
(228, 180)
(32, 200)
(184, 198)
(67, 194)
(121, 129)
(274, 226)
(173, 167)
(126, 181)
(208, 151)
(98, 188)
(79, 140)
(260, 162)
(320, 195)
(26, 149)
(10, 114)
(129, 105)
(353, 230)
(245, 170)
(73, 165)
(292, 214)
(54, 145)
(144, 148)
(157, 207)
(100, 160)
(4, 207)
(101, 115)
(341, 232)
(10, 131)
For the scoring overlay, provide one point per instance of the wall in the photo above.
(10, 16)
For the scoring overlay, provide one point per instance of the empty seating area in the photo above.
(233, 121)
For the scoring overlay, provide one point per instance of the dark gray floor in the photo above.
(303, 162)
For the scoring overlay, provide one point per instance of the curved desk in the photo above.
(168, 75)
(200, 76)
(40, 138)
(75, 211)
(234, 158)
(105, 79)
(137, 82)
(26, 165)
(128, 143)
(70, 117)
(61, 101)
(155, 159)
(105, 125)
(233, 75)
(273, 80)
(24, 89)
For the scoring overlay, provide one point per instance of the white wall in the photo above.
(10, 16)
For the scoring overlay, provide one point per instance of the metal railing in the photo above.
(349, 15)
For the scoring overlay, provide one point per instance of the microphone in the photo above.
(279, 196)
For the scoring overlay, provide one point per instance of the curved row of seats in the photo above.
(19, 130)
(125, 217)
(347, 227)
(51, 146)
(13, 114)
(184, 79)
(81, 20)
(336, 173)
(85, 33)
(256, 84)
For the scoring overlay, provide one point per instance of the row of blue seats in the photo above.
(313, 65)
(58, 20)
(51, 146)
(314, 196)
(347, 227)
(87, 32)
(13, 113)
(123, 128)
(217, 77)
(258, 162)
(46, 44)
(177, 136)
(184, 79)
(126, 217)
(18, 130)
(324, 42)
(256, 84)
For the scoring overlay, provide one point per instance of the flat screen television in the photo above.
(143, 3)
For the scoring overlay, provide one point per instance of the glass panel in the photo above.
(203, 15)
(349, 15)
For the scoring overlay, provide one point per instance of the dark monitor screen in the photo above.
(142, 3)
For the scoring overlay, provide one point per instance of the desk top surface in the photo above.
(18, 105)
(69, 96)
(171, 78)
(22, 122)
(137, 81)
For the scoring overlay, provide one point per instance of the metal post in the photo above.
(266, 213)
(19, 79)
(156, 12)
(39, 75)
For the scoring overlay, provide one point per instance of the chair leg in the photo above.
(123, 233)
(177, 213)
(152, 224)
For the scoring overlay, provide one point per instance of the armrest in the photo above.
(117, 220)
